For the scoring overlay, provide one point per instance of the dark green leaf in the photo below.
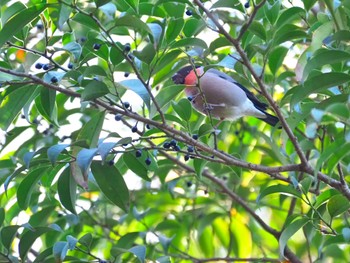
(289, 231)
(93, 90)
(146, 54)
(190, 42)
(199, 165)
(91, 130)
(276, 58)
(136, 164)
(337, 205)
(257, 29)
(13, 103)
(2, 215)
(66, 189)
(86, 240)
(325, 57)
(111, 183)
(272, 12)
(132, 22)
(289, 15)
(48, 101)
(324, 81)
(183, 108)
(104, 149)
(19, 21)
(280, 189)
(7, 234)
(27, 186)
(174, 28)
(289, 33)
(28, 238)
(74, 48)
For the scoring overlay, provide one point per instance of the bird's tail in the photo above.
(270, 119)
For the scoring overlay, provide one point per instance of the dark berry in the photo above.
(166, 145)
(138, 153)
(190, 98)
(96, 46)
(189, 12)
(70, 65)
(54, 79)
(192, 157)
(189, 183)
(23, 116)
(125, 144)
(46, 132)
(127, 47)
(177, 148)
(148, 161)
(190, 149)
(126, 104)
(40, 26)
(186, 157)
(38, 66)
(134, 129)
(46, 66)
(82, 39)
(224, 178)
(95, 78)
(195, 136)
(126, 74)
(148, 126)
(247, 5)
(111, 162)
(173, 143)
(118, 117)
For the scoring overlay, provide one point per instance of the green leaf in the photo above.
(72, 241)
(190, 42)
(93, 90)
(86, 240)
(136, 165)
(325, 57)
(289, 15)
(146, 54)
(272, 12)
(308, 4)
(289, 231)
(26, 187)
(157, 31)
(132, 22)
(174, 28)
(183, 108)
(139, 252)
(91, 130)
(166, 95)
(48, 101)
(324, 197)
(66, 189)
(111, 183)
(289, 33)
(19, 21)
(337, 205)
(2, 215)
(137, 86)
(13, 103)
(7, 235)
(28, 238)
(324, 80)
(199, 165)
(235, 4)
(205, 129)
(54, 151)
(86, 21)
(276, 58)
(280, 189)
(257, 29)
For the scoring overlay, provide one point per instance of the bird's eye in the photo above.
(178, 79)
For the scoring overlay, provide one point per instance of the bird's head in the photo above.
(183, 75)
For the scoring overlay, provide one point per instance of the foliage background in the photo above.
(71, 140)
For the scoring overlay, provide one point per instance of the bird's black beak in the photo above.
(178, 79)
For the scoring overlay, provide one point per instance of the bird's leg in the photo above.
(216, 132)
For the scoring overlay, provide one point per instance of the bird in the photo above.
(215, 93)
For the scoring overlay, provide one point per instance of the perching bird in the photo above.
(225, 98)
